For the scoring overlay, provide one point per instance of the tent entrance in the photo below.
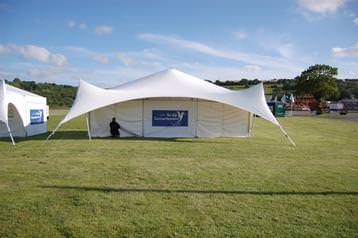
(15, 123)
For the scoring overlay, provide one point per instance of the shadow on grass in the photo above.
(233, 192)
(60, 135)
(82, 135)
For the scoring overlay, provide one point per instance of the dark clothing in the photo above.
(114, 128)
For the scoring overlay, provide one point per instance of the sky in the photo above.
(110, 42)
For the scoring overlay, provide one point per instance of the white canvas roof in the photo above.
(169, 83)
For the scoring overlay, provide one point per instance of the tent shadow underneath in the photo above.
(199, 191)
(82, 135)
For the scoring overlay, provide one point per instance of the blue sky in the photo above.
(110, 42)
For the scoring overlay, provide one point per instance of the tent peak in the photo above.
(170, 76)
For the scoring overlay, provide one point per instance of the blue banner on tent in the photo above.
(36, 116)
(169, 118)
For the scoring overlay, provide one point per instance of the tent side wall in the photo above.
(128, 115)
(36, 118)
(205, 118)
(221, 120)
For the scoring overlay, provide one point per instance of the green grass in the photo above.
(223, 187)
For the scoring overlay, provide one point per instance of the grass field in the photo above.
(223, 187)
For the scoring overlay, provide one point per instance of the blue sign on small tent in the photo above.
(36, 116)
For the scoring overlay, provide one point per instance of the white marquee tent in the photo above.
(170, 103)
(21, 113)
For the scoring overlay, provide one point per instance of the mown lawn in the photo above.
(223, 187)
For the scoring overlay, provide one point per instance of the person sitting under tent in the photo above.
(114, 128)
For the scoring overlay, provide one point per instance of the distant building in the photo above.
(350, 104)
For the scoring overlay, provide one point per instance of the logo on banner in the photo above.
(36, 116)
(169, 118)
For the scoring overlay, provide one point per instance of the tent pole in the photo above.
(222, 119)
(288, 137)
(142, 117)
(88, 126)
(12, 138)
(53, 132)
(197, 117)
(252, 123)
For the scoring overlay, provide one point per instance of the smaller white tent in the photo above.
(21, 113)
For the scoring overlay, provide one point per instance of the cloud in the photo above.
(4, 49)
(103, 29)
(71, 24)
(252, 68)
(79, 50)
(126, 60)
(36, 53)
(58, 59)
(103, 59)
(82, 26)
(349, 13)
(278, 42)
(215, 72)
(320, 6)
(241, 35)
(285, 50)
(32, 52)
(355, 21)
(100, 57)
(243, 57)
(113, 76)
(345, 52)
(44, 73)
(140, 63)
(78, 25)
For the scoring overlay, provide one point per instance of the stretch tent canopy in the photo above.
(21, 113)
(168, 85)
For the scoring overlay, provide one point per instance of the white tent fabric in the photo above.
(169, 83)
(3, 108)
(21, 113)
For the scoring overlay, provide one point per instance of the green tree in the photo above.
(244, 82)
(277, 91)
(57, 95)
(318, 80)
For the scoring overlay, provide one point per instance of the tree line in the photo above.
(318, 80)
(58, 96)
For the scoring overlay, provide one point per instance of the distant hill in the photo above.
(58, 96)
(62, 96)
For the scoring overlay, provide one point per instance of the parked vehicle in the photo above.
(336, 107)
